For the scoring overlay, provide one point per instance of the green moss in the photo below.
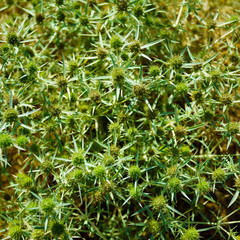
(57, 229)
(16, 232)
(78, 158)
(118, 76)
(10, 115)
(47, 167)
(5, 141)
(190, 234)
(22, 141)
(99, 171)
(159, 203)
(47, 206)
(134, 172)
(24, 181)
(116, 42)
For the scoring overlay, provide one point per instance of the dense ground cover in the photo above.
(119, 119)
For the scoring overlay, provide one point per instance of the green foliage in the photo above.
(47, 205)
(47, 167)
(22, 141)
(203, 186)
(10, 115)
(176, 62)
(16, 232)
(116, 42)
(12, 37)
(219, 174)
(78, 158)
(134, 193)
(37, 234)
(134, 172)
(57, 229)
(99, 171)
(154, 226)
(190, 234)
(5, 141)
(159, 203)
(154, 71)
(118, 76)
(24, 181)
(62, 82)
(174, 184)
(119, 119)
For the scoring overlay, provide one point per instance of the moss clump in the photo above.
(98, 197)
(134, 172)
(174, 184)
(99, 171)
(237, 183)
(102, 53)
(134, 192)
(95, 96)
(118, 76)
(47, 206)
(122, 5)
(159, 203)
(180, 131)
(138, 11)
(172, 171)
(12, 38)
(34, 147)
(215, 75)
(233, 128)
(9, 2)
(114, 127)
(155, 226)
(32, 68)
(219, 174)
(22, 141)
(73, 67)
(55, 110)
(62, 82)
(185, 151)
(84, 21)
(181, 88)
(108, 160)
(226, 99)
(74, 178)
(10, 115)
(154, 71)
(78, 158)
(208, 115)
(15, 232)
(39, 17)
(59, 2)
(176, 62)
(47, 167)
(5, 141)
(24, 181)
(61, 15)
(135, 47)
(139, 90)
(190, 234)
(57, 229)
(92, 3)
(124, 56)
(116, 42)
(37, 234)
(203, 186)
(198, 96)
